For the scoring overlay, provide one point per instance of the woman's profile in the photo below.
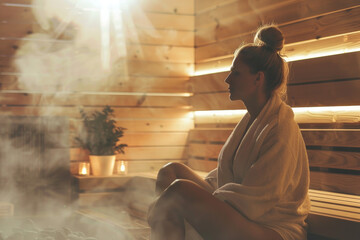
(259, 189)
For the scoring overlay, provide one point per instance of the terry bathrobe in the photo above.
(265, 176)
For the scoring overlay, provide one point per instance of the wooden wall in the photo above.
(310, 27)
(146, 95)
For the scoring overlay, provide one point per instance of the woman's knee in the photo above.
(170, 170)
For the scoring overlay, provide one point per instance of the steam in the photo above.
(75, 48)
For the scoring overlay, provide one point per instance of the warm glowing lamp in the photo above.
(84, 168)
(122, 167)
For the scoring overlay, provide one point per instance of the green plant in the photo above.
(101, 135)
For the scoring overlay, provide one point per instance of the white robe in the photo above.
(266, 175)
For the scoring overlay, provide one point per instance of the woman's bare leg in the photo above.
(211, 217)
(172, 171)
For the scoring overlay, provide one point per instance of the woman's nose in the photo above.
(227, 79)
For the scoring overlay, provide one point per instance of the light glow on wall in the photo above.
(328, 114)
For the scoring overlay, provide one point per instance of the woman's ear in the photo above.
(260, 78)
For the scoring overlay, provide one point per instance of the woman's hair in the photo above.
(264, 55)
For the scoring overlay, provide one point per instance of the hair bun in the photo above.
(270, 36)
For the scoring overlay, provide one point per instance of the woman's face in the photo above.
(241, 81)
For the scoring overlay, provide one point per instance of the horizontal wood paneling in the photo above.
(334, 159)
(137, 153)
(335, 182)
(171, 6)
(319, 94)
(218, 23)
(154, 53)
(113, 84)
(325, 94)
(148, 125)
(332, 138)
(307, 29)
(91, 100)
(201, 165)
(73, 112)
(335, 67)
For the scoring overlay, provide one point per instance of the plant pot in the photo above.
(102, 165)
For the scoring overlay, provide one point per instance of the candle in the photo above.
(122, 167)
(84, 169)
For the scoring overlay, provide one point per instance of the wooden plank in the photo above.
(325, 94)
(347, 199)
(291, 31)
(112, 84)
(331, 138)
(332, 227)
(214, 101)
(201, 165)
(171, 6)
(155, 139)
(207, 5)
(135, 52)
(137, 153)
(335, 182)
(172, 37)
(148, 125)
(145, 139)
(216, 24)
(210, 82)
(209, 135)
(219, 21)
(335, 67)
(66, 99)
(334, 159)
(73, 112)
(206, 151)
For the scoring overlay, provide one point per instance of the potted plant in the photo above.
(101, 138)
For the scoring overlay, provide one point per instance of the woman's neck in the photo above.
(255, 106)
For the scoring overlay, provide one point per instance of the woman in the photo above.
(259, 189)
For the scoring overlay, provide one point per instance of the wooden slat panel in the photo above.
(349, 22)
(335, 182)
(91, 100)
(171, 6)
(155, 139)
(208, 151)
(321, 94)
(145, 139)
(342, 66)
(134, 68)
(209, 135)
(325, 94)
(331, 138)
(215, 101)
(247, 15)
(139, 18)
(137, 153)
(73, 112)
(134, 51)
(173, 37)
(114, 84)
(335, 67)
(210, 83)
(334, 159)
(149, 125)
(201, 165)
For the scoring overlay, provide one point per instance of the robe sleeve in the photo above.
(266, 181)
(211, 178)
